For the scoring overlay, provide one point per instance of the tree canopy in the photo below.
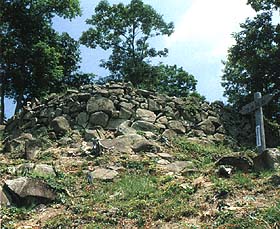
(126, 30)
(253, 63)
(34, 58)
(171, 80)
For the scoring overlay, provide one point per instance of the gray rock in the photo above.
(162, 120)
(60, 125)
(122, 144)
(163, 162)
(25, 191)
(219, 137)
(100, 104)
(145, 115)
(177, 166)
(94, 134)
(153, 105)
(143, 92)
(165, 155)
(207, 127)
(116, 91)
(24, 146)
(144, 145)
(177, 126)
(99, 119)
(144, 126)
(169, 134)
(216, 122)
(150, 135)
(197, 133)
(125, 113)
(44, 170)
(82, 119)
(125, 129)
(238, 162)
(114, 124)
(126, 105)
(103, 174)
(269, 159)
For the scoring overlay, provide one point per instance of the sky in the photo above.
(202, 36)
(200, 42)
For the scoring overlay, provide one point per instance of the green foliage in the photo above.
(126, 30)
(34, 58)
(171, 80)
(260, 5)
(253, 62)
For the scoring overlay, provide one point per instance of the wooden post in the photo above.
(260, 134)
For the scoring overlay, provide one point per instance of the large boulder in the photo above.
(177, 126)
(269, 159)
(24, 146)
(39, 169)
(125, 129)
(82, 119)
(122, 144)
(100, 104)
(207, 126)
(146, 115)
(60, 125)
(144, 126)
(25, 191)
(99, 119)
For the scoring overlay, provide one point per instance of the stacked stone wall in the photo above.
(120, 108)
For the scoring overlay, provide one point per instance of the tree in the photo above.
(253, 63)
(126, 30)
(32, 53)
(171, 80)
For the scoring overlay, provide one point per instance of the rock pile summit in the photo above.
(122, 109)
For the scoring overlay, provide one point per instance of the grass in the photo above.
(259, 219)
(141, 194)
(138, 197)
(203, 156)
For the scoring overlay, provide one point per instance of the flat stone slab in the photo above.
(165, 155)
(145, 146)
(163, 162)
(122, 144)
(177, 166)
(145, 115)
(104, 174)
(25, 191)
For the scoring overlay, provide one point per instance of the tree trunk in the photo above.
(2, 89)
(19, 102)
